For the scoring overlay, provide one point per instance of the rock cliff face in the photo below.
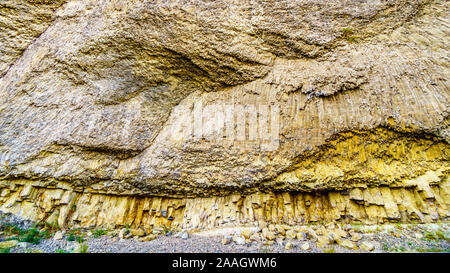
(196, 114)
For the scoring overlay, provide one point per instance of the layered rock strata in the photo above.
(121, 113)
(424, 199)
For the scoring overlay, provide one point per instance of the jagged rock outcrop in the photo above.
(203, 113)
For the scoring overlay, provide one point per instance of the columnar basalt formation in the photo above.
(100, 105)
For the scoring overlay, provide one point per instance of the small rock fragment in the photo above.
(226, 240)
(137, 232)
(23, 244)
(280, 230)
(280, 242)
(322, 241)
(305, 246)
(271, 227)
(330, 226)
(347, 244)
(122, 233)
(184, 236)
(9, 244)
(355, 236)
(255, 237)
(312, 235)
(239, 240)
(367, 246)
(58, 235)
(148, 238)
(290, 234)
(262, 224)
(246, 233)
(340, 232)
(269, 235)
(301, 236)
(288, 246)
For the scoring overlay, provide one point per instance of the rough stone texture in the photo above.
(423, 201)
(98, 99)
(21, 22)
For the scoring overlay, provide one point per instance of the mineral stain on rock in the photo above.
(98, 100)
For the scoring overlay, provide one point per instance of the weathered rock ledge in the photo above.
(421, 200)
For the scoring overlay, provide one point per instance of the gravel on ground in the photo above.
(360, 238)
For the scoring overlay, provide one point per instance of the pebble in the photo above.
(122, 233)
(137, 232)
(305, 246)
(148, 238)
(280, 230)
(239, 240)
(290, 234)
(58, 235)
(246, 233)
(347, 244)
(262, 225)
(226, 240)
(278, 243)
(9, 244)
(355, 236)
(322, 241)
(267, 234)
(23, 244)
(255, 237)
(288, 246)
(340, 232)
(367, 246)
(301, 236)
(312, 235)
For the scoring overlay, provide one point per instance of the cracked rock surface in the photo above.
(101, 96)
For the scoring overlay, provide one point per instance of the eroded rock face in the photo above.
(22, 21)
(106, 98)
